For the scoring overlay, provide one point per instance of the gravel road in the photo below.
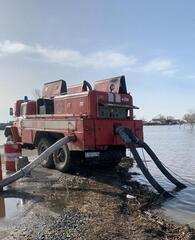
(88, 204)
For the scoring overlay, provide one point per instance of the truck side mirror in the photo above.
(11, 112)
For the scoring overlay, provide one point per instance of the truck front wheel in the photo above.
(62, 159)
(43, 144)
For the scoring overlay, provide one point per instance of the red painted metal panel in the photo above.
(72, 104)
(138, 129)
(58, 125)
(79, 143)
(53, 89)
(115, 85)
(75, 88)
(89, 133)
(31, 108)
(27, 136)
(15, 134)
(104, 131)
(12, 152)
(17, 107)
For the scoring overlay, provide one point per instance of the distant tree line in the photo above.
(160, 119)
(190, 117)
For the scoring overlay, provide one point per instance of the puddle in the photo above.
(10, 207)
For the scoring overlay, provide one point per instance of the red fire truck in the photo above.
(92, 114)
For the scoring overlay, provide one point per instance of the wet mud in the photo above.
(89, 203)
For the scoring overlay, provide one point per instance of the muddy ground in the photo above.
(88, 204)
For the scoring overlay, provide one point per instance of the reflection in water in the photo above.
(9, 207)
(2, 207)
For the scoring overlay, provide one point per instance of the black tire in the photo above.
(43, 144)
(62, 159)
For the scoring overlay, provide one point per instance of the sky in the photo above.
(151, 42)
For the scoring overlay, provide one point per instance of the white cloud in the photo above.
(110, 59)
(8, 47)
(164, 66)
(104, 59)
(64, 56)
(96, 60)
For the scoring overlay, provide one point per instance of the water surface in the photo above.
(175, 146)
(10, 207)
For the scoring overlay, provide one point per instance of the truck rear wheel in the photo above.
(43, 144)
(62, 159)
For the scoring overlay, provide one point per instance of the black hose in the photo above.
(147, 174)
(132, 141)
(161, 166)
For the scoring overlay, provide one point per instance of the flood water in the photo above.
(175, 146)
(10, 207)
